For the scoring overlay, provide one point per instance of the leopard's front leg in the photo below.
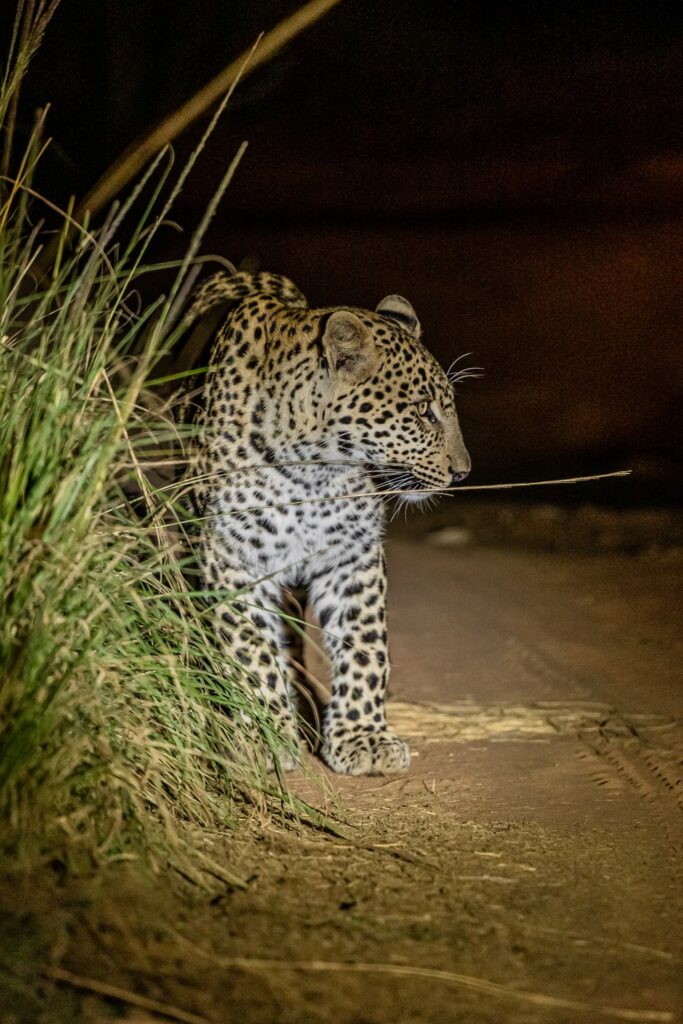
(250, 634)
(350, 602)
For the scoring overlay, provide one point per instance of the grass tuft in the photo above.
(121, 733)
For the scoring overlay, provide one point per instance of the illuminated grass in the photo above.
(121, 732)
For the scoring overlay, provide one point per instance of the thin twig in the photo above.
(426, 490)
(522, 483)
(452, 490)
(123, 995)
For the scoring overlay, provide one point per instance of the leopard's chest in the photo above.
(294, 524)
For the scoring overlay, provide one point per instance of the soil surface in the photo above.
(527, 868)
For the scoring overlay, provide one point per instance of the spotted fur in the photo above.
(306, 415)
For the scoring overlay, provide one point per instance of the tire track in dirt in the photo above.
(653, 773)
(653, 770)
(617, 748)
(616, 752)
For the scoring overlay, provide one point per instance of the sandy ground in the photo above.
(527, 869)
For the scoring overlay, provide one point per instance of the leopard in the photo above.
(308, 422)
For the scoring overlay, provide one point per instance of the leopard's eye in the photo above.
(426, 411)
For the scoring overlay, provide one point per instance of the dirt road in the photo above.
(528, 868)
(541, 695)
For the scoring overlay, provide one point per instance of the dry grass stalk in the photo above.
(123, 995)
(131, 162)
(465, 981)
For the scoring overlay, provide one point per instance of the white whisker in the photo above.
(467, 373)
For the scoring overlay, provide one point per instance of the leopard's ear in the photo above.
(349, 346)
(399, 309)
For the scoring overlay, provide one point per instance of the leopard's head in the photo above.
(389, 402)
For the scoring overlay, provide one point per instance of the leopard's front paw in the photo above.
(288, 760)
(285, 748)
(366, 753)
(288, 751)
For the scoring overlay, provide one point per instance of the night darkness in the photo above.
(515, 170)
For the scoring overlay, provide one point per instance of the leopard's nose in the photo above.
(458, 474)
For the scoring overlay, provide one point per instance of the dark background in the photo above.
(515, 170)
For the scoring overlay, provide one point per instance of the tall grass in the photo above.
(120, 729)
